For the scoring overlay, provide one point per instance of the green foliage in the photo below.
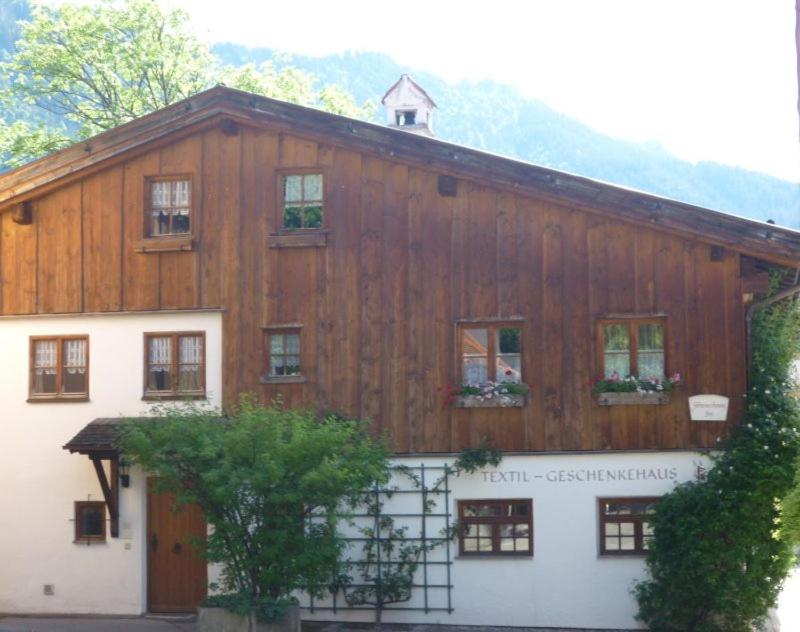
(389, 561)
(390, 558)
(259, 476)
(265, 609)
(473, 459)
(101, 65)
(719, 556)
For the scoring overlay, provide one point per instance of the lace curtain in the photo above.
(190, 359)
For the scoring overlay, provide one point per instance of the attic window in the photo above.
(169, 206)
(302, 201)
(405, 117)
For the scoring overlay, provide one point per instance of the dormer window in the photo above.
(405, 117)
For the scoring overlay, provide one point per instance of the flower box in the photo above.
(633, 399)
(496, 401)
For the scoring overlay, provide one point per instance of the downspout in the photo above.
(760, 305)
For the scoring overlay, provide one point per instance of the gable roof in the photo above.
(413, 83)
(211, 107)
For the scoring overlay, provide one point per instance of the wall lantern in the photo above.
(124, 472)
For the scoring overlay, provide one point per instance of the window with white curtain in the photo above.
(59, 367)
(169, 206)
(633, 346)
(175, 364)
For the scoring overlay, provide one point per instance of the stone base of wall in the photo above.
(335, 626)
(220, 620)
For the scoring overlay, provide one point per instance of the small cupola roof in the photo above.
(409, 107)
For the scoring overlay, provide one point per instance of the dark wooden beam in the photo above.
(110, 491)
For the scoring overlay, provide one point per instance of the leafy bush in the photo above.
(719, 557)
(259, 475)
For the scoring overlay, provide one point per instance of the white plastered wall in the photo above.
(566, 583)
(39, 481)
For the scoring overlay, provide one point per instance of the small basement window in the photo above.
(169, 206)
(496, 527)
(625, 525)
(302, 201)
(59, 368)
(90, 521)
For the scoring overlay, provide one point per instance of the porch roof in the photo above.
(97, 437)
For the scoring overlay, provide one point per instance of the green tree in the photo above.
(260, 476)
(99, 66)
(719, 557)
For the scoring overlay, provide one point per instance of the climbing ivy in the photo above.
(719, 556)
(390, 557)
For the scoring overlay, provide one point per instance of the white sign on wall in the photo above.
(708, 408)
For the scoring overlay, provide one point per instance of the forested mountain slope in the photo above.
(497, 118)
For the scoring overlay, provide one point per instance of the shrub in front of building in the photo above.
(719, 556)
(259, 475)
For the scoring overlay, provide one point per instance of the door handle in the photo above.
(176, 548)
(154, 542)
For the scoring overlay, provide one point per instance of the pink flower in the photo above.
(509, 372)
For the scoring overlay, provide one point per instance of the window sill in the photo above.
(172, 397)
(282, 379)
(181, 243)
(632, 399)
(60, 399)
(637, 555)
(498, 401)
(299, 238)
(90, 541)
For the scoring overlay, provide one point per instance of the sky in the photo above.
(707, 79)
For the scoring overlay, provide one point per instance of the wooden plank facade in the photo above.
(400, 266)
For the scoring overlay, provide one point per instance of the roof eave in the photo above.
(769, 242)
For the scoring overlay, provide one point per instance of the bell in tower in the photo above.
(409, 107)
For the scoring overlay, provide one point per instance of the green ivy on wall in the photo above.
(719, 555)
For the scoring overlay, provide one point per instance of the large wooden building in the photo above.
(231, 243)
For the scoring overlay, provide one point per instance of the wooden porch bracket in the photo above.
(110, 490)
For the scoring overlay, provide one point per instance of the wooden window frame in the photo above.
(176, 241)
(632, 322)
(281, 330)
(491, 326)
(173, 394)
(637, 519)
(58, 396)
(280, 176)
(495, 521)
(82, 537)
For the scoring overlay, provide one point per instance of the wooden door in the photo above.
(176, 573)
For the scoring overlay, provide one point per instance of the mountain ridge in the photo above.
(525, 129)
(465, 116)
